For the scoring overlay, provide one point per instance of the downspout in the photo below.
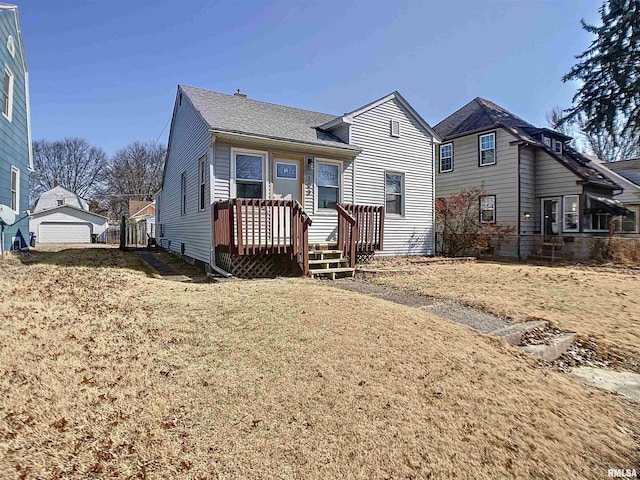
(433, 196)
(212, 248)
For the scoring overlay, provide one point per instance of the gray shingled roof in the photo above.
(629, 169)
(236, 114)
(481, 114)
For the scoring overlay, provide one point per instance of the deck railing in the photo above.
(245, 226)
(360, 229)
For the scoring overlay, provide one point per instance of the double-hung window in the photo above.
(249, 175)
(488, 209)
(183, 193)
(446, 157)
(394, 192)
(571, 216)
(15, 189)
(7, 93)
(328, 180)
(557, 146)
(487, 149)
(202, 182)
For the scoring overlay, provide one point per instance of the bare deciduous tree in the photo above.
(73, 163)
(135, 173)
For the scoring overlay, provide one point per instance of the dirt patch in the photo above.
(106, 372)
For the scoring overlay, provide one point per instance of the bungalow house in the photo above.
(253, 188)
(16, 162)
(550, 194)
(61, 216)
(625, 173)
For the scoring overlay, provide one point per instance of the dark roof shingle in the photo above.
(237, 114)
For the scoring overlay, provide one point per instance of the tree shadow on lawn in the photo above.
(95, 257)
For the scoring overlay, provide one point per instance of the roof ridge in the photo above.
(258, 101)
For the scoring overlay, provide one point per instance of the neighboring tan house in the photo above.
(143, 213)
(534, 182)
(626, 173)
(61, 216)
(257, 188)
(16, 163)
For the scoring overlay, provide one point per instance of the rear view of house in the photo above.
(534, 182)
(15, 133)
(252, 187)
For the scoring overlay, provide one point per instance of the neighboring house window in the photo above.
(395, 128)
(547, 141)
(7, 93)
(446, 157)
(488, 209)
(571, 219)
(183, 193)
(15, 189)
(202, 175)
(487, 149)
(394, 192)
(624, 224)
(557, 146)
(249, 175)
(60, 202)
(328, 181)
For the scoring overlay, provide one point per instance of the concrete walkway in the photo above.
(164, 270)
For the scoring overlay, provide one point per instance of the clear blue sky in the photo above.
(108, 70)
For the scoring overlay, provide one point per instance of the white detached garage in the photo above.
(61, 216)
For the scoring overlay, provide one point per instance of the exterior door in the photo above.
(287, 185)
(550, 216)
(286, 179)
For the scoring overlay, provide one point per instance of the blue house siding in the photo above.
(14, 135)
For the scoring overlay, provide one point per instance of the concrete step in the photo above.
(556, 347)
(514, 333)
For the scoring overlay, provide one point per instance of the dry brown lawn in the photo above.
(598, 302)
(107, 372)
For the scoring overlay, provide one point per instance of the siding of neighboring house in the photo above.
(188, 143)
(552, 179)
(500, 179)
(14, 134)
(527, 190)
(411, 155)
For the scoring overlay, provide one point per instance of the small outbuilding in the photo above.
(61, 216)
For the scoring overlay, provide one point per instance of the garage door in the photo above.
(64, 233)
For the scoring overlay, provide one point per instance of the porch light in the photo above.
(526, 216)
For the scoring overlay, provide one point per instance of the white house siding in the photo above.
(410, 154)
(188, 143)
(70, 216)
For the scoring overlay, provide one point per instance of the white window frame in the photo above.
(394, 125)
(619, 219)
(480, 149)
(565, 213)
(450, 157)
(255, 153)
(283, 162)
(15, 189)
(401, 194)
(546, 140)
(183, 193)
(555, 145)
(588, 218)
(11, 46)
(326, 211)
(9, 113)
(202, 183)
(481, 210)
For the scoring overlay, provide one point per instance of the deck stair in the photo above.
(329, 264)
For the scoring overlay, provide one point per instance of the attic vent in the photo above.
(11, 46)
(395, 128)
(239, 94)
